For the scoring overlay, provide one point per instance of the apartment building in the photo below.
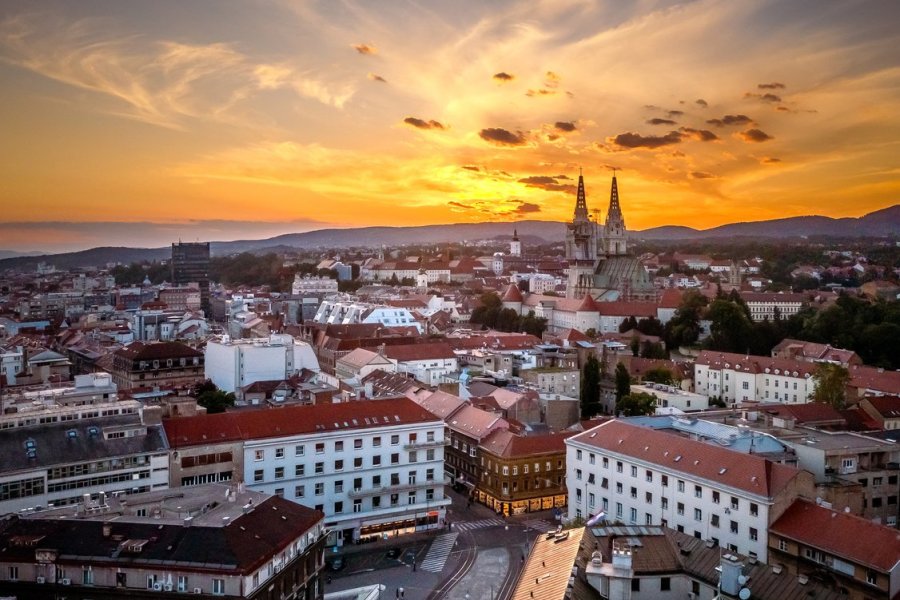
(232, 364)
(639, 476)
(204, 542)
(373, 467)
(161, 364)
(746, 378)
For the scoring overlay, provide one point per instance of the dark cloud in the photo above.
(636, 140)
(565, 125)
(770, 160)
(702, 175)
(551, 79)
(674, 113)
(422, 124)
(365, 49)
(471, 168)
(651, 107)
(503, 76)
(540, 92)
(783, 109)
(497, 135)
(755, 136)
(701, 135)
(658, 121)
(764, 97)
(771, 86)
(375, 77)
(459, 205)
(551, 184)
(527, 207)
(701, 102)
(730, 120)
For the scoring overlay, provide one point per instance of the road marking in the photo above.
(469, 525)
(437, 555)
(540, 525)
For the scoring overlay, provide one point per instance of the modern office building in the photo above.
(190, 264)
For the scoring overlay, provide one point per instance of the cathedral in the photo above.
(599, 263)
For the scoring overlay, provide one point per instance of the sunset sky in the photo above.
(141, 122)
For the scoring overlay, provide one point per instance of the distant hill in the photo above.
(885, 222)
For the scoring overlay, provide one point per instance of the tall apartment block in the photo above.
(190, 264)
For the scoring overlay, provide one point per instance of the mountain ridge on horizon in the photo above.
(880, 223)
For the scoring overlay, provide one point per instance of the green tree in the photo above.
(212, 398)
(683, 329)
(653, 350)
(590, 387)
(636, 404)
(730, 327)
(623, 381)
(627, 324)
(635, 345)
(591, 333)
(831, 384)
(659, 375)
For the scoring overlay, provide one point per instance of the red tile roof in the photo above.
(751, 473)
(156, 351)
(887, 406)
(293, 420)
(843, 535)
(627, 309)
(512, 294)
(428, 351)
(504, 443)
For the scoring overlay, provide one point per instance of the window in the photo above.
(734, 503)
(649, 476)
(714, 520)
(698, 491)
(871, 577)
(339, 446)
(618, 466)
(698, 514)
(715, 496)
(680, 508)
(339, 465)
(665, 480)
(591, 500)
(376, 480)
(411, 498)
(619, 509)
(279, 452)
(734, 527)
(376, 441)
(320, 448)
(429, 455)
(665, 584)
(754, 535)
(604, 483)
(259, 454)
(577, 473)
(376, 502)
(665, 504)
(429, 436)
(320, 488)
(395, 458)
(592, 458)
(376, 461)
(634, 492)
(299, 470)
(605, 463)
(648, 497)
(14, 573)
(633, 515)
(395, 499)
(578, 455)
(299, 491)
(87, 576)
(635, 584)
(338, 507)
(633, 471)
(618, 487)
(339, 486)
(320, 468)
(357, 505)
(279, 492)
(299, 450)
(413, 456)
(218, 587)
(395, 439)
(279, 472)
(754, 509)
(257, 475)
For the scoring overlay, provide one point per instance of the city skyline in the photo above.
(124, 119)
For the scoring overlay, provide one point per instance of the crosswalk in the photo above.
(481, 524)
(540, 525)
(438, 553)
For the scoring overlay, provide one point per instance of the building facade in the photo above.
(232, 364)
(190, 264)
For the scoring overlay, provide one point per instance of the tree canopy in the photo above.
(590, 388)
(831, 384)
(636, 404)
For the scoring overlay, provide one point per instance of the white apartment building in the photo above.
(313, 285)
(770, 305)
(430, 363)
(63, 463)
(231, 364)
(669, 397)
(745, 378)
(374, 467)
(344, 312)
(639, 476)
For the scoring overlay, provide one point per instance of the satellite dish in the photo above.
(744, 594)
(742, 579)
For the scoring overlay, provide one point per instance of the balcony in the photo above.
(391, 489)
(425, 445)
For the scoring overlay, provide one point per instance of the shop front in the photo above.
(508, 507)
